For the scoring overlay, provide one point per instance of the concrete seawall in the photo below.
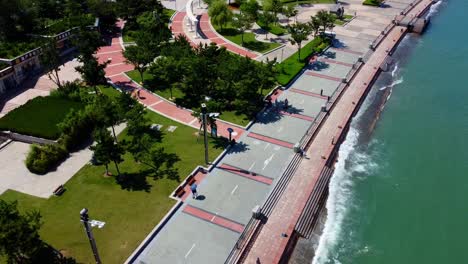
(278, 235)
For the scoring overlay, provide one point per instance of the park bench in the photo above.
(59, 190)
(179, 191)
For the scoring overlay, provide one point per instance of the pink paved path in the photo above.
(214, 219)
(270, 244)
(115, 73)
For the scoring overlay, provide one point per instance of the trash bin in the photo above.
(297, 148)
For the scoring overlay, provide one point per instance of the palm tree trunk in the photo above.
(117, 167)
(107, 169)
(141, 76)
(113, 132)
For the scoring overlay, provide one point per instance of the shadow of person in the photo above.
(200, 197)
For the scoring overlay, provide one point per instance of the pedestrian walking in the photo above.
(138, 93)
(193, 188)
(286, 104)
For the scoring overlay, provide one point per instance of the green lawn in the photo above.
(129, 215)
(344, 20)
(273, 29)
(232, 117)
(39, 117)
(290, 67)
(372, 2)
(250, 42)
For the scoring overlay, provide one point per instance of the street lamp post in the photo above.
(88, 225)
(204, 111)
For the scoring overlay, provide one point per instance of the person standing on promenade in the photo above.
(193, 188)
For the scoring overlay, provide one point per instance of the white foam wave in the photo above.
(395, 70)
(434, 9)
(393, 84)
(340, 192)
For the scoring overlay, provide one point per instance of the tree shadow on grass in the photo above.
(48, 254)
(256, 45)
(135, 181)
(228, 32)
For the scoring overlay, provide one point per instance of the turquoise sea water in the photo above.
(400, 192)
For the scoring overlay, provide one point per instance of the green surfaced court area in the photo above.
(131, 208)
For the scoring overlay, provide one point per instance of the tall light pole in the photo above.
(87, 225)
(204, 112)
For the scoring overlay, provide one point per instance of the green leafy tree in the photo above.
(168, 70)
(299, 32)
(325, 19)
(106, 149)
(251, 8)
(290, 11)
(105, 112)
(220, 13)
(92, 72)
(87, 42)
(139, 57)
(19, 233)
(314, 24)
(274, 6)
(268, 18)
(51, 62)
(243, 22)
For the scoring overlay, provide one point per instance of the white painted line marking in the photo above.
(158, 102)
(190, 250)
(267, 145)
(108, 52)
(116, 64)
(267, 161)
(113, 75)
(280, 129)
(233, 190)
(214, 216)
(193, 121)
(251, 166)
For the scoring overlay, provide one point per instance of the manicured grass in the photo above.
(344, 20)
(290, 67)
(232, 117)
(129, 215)
(250, 42)
(109, 91)
(135, 75)
(272, 28)
(372, 2)
(127, 35)
(39, 117)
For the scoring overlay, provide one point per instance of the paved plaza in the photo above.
(204, 230)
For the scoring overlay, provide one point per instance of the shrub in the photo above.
(76, 128)
(42, 159)
(372, 2)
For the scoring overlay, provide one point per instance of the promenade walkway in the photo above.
(274, 236)
(115, 73)
(205, 230)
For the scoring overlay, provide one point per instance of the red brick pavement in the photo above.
(337, 62)
(270, 244)
(214, 219)
(199, 176)
(246, 174)
(350, 51)
(295, 90)
(271, 140)
(331, 78)
(303, 117)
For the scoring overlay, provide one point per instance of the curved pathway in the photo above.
(115, 73)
